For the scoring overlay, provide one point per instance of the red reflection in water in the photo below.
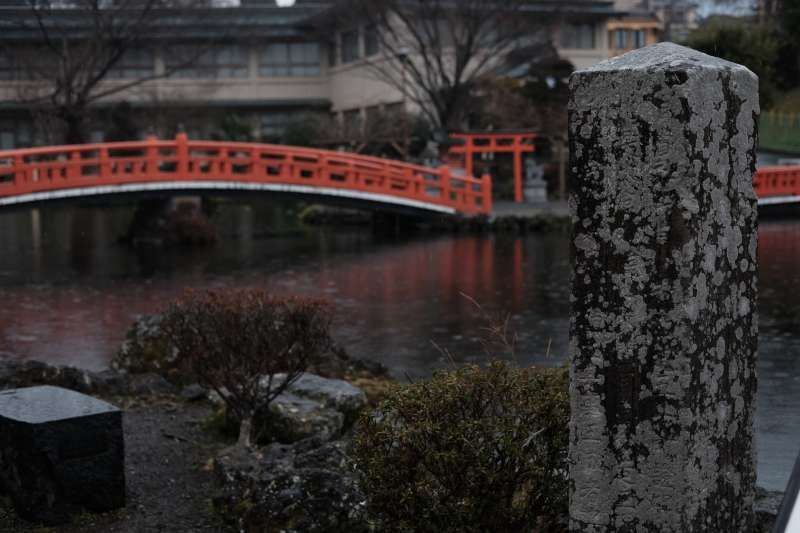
(393, 293)
(779, 271)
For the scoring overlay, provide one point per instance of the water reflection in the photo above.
(75, 291)
(70, 292)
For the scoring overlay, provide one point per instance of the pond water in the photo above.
(70, 292)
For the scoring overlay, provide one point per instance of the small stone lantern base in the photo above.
(60, 452)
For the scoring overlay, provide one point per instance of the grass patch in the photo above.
(780, 131)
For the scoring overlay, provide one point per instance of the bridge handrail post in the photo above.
(73, 165)
(444, 183)
(151, 157)
(182, 155)
(486, 191)
(19, 170)
(323, 170)
(105, 162)
(416, 184)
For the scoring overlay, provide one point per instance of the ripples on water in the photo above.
(69, 293)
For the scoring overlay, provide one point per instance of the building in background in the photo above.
(636, 27)
(580, 38)
(679, 17)
(266, 65)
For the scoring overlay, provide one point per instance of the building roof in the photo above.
(16, 21)
(205, 22)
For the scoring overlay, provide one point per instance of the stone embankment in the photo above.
(507, 217)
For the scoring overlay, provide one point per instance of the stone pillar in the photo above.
(663, 332)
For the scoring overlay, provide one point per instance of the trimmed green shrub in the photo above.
(470, 450)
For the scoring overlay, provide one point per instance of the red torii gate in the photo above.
(515, 143)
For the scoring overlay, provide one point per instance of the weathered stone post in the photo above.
(664, 332)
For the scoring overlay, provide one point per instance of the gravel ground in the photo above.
(168, 473)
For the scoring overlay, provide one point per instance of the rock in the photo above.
(333, 393)
(109, 382)
(290, 418)
(766, 507)
(19, 374)
(60, 451)
(16, 374)
(147, 350)
(7, 371)
(291, 489)
(329, 456)
(148, 384)
(193, 393)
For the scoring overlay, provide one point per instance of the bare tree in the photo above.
(247, 345)
(62, 53)
(435, 51)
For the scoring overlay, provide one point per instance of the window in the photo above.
(352, 122)
(578, 36)
(371, 44)
(305, 59)
(228, 61)
(620, 39)
(395, 109)
(639, 39)
(232, 61)
(350, 51)
(26, 63)
(15, 134)
(290, 59)
(333, 51)
(134, 63)
(6, 140)
(373, 118)
(274, 123)
(9, 70)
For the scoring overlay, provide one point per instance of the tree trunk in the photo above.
(74, 126)
(245, 432)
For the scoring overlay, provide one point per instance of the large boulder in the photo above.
(290, 418)
(306, 487)
(16, 374)
(332, 393)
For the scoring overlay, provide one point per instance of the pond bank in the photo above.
(180, 475)
(172, 481)
(506, 217)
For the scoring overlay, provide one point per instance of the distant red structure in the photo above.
(514, 143)
(59, 172)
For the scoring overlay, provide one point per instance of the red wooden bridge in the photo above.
(777, 185)
(183, 165)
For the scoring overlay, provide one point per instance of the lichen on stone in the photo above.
(664, 329)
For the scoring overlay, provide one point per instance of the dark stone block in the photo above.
(60, 451)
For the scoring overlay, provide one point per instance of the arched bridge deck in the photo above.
(60, 172)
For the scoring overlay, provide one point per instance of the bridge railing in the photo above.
(777, 181)
(33, 170)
